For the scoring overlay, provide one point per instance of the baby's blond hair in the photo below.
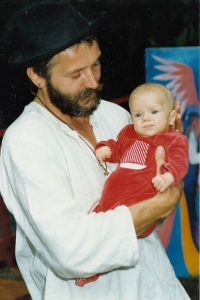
(144, 88)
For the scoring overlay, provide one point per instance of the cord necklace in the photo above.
(104, 168)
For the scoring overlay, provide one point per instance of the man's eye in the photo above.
(76, 75)
(154, 112)
(96, 64)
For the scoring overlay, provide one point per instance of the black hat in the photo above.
(46, 28)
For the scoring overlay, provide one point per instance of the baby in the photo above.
(151, 106)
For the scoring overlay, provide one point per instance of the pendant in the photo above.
(106, 173)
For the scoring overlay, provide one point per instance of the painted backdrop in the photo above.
(178, 69)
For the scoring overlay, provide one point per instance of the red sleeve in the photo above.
(177, 158)
(115, 146)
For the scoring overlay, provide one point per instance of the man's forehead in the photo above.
(77, 57)
(78, 49)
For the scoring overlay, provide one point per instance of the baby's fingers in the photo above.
(158, 184)
(99, 157)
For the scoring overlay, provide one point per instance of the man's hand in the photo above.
(159, 158)
(178, 122)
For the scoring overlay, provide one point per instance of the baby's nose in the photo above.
(146, 116)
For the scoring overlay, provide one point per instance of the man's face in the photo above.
(74, 85)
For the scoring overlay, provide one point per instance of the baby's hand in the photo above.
(102, 153)
(162, 182)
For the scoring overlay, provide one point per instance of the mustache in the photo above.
(88, 92)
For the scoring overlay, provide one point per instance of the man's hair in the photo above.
(43, 69)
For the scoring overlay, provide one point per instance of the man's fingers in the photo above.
(159, 158)
(178, 121)
(177, 106)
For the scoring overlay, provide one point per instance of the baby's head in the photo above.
(151, 106)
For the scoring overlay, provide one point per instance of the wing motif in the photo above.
(181, 81)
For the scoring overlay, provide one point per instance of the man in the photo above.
(51, 180)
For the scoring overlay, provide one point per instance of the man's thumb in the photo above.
(159, 158)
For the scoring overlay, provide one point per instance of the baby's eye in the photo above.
(154, 112)
(138, 115)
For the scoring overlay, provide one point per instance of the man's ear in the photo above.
(172, 118)
(35, 78)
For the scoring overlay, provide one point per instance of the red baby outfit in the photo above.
(127, 185)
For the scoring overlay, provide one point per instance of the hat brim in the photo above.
(18, 60)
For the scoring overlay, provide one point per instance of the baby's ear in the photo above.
(172, 117)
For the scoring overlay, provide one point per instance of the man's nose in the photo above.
(90, 80)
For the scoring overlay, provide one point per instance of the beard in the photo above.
(77, 105)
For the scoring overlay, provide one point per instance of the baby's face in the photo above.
(150, 114)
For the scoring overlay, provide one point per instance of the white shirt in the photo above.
(50, 181)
